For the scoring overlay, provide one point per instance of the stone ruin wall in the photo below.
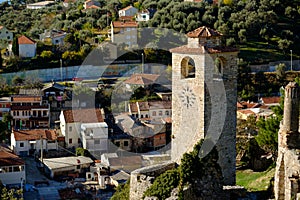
(141, 179)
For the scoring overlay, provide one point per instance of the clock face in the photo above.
(187, 97)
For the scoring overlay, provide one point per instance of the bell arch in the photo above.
(188, 68)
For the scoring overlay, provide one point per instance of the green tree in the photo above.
(17, 81)
(267, 137)
(47, 54)
(122, 192)
(1, 60)
(164, 184)
(280, 71)
(15, 46)
(10, 194)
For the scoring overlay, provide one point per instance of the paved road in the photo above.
(43, 191)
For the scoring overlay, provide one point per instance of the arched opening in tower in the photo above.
(188, 68)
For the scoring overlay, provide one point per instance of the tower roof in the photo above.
(203, 31)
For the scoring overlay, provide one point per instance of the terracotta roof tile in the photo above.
(34, 134)
(25, 40)
(247, 112)
(144, 106)
(270, 100)
(7, 158)
(160, 104)
(127, 18)
(203, 32)
(142, 79)
(120, 24)
(127, 8)
(185, 49)
(133, 107)
(25, 98)
(83, 115)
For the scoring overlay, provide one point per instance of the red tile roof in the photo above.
(25, 98)
(7, 158)
(142, 79)
(127, 18)
(83, 115)
(120, 24)
(127, 8)
(25, 40)
(249, 112)
(133, 107)
(203, 32)
(270, 100)
(34, 134)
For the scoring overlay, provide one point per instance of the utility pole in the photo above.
(61, 76)
(142, 63)
(291, 60)
(42, 149)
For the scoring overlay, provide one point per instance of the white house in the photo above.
(12, 168)
(91, 4)
(27, 47)
(5, 34)
(142, 16)
(94, 137)
(124, 32)
(56, 36)
(154, 110)
(71, 121)
(128, 11)
(27, 142)
(39, 5)
(64, 165)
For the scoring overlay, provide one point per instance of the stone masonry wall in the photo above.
(141, 179)
(207, 114)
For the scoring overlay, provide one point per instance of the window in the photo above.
(167, 113)
(188, 68)
(8, 37)
(96, 141)
(70, 141)
(125, 143)
(70, 128)
(154, 113)
(78, 166)
(21, 144)
(160, 113)
(117, 143)
(16, 169)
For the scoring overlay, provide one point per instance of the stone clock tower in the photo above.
(204, 98)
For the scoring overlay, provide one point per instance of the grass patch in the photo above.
(254, 181)
(259, 52)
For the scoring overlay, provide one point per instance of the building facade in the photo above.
(29, 111)
(12, 168)
(204, 97)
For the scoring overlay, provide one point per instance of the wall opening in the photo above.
(188, 69)
(219, 65)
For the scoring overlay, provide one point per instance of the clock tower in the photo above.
(204, 97)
